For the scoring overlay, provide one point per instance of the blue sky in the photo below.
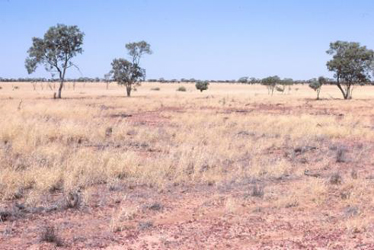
(211, 39)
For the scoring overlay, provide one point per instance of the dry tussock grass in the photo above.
(229, 134)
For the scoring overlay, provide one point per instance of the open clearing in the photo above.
(231, 167)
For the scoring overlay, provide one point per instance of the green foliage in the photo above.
(280, 89)
(254, 80)
(352, 64)
(55, 50)
(129, 73)
(137, 49)
(182, 89)
(243, 79)
(270, 82)
(287, 81)
(316, 85)
(202, 85)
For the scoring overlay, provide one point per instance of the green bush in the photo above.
(182, 89)
(202, 85)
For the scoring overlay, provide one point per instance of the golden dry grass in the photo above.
(226, 135)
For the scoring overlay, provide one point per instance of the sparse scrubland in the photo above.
(232, 167)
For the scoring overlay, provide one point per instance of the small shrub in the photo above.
(4, 215)
(145, 225)
(73, 200)
(257, 191)
(351, 211)
(279, 89)
(154, 206)
(155, 89)
(182, 89)
(49, 235)
(336, 179)
(340, 155)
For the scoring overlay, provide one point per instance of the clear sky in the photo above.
(211, 39)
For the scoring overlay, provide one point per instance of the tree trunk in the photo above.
(60, 89)
(349, 92)
(128, 91)
(345, 93)
(318, 91)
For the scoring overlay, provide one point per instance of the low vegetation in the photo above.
(182, 89)
(258, 155)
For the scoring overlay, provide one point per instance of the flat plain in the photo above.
(231, 167)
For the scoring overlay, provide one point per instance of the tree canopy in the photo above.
(202, 85)
(55, 50)
(137, 49)
(316, 84)
(271, 82)
(129, 73)
(352, 64)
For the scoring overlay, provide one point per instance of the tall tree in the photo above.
(352, 65)
(129, 73)
(60, 44)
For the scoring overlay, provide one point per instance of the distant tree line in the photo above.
(80, 79)
(329, 81)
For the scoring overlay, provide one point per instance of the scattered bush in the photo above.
(182, 89)
(155, 89)
(49, 234)
(202, 85)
